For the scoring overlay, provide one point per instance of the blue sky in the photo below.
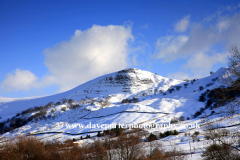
(47, 47)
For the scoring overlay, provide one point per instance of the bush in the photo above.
(209, 84)
(175, 132)
(170, 90)
(195, 136)
(214, 79)
(125, 101)
(174, 120)
(135, 100)
(209, 103)
(197, 114)
(74, 106)
(27, 111)
(43, 112)
(178, 88)
(99, 134)
(220, 151)
(17, 115)
(118, 130)
(70, 101)
(152, 137)
(201, 88)
(58, 103)
(202, 98)
(53, 110)
(182, 118)
(168, 133)
(63, 109)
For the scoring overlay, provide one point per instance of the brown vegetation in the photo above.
(125, 146)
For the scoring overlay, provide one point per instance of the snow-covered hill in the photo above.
(122, 84)
(150, 99)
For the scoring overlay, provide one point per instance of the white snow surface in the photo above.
(156, 105)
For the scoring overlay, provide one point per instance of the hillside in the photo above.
(130, 96)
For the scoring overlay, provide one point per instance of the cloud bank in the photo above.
(201, 44)
(88, 54)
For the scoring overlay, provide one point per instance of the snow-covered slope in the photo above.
(123, 84)
(99, 101)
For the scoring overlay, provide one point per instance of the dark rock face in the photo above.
(129, 70)
(126, 79)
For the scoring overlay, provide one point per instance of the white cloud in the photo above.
(223, 25)
(201, 63)
(168, 47)
(206, 44)
(179, 76)
(88, 54)
(19, 80)
(183, 24)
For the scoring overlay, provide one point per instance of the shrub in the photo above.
(135, 100)
(43, 112)
(168, 133)
(74, 106)
(174, 120)
(197, 114)
(27, 111)
(220, 151)
(58, 103)
(188, 118)
(2, 124)
(175, 132)
(125, 101)
(201, 88)
(53, 110)
(214, 79)
(151, 137)
(74, 140)
(209, 103)
(170, 90)
(50, 104)
(178, 88)
(202, 98)
(195, 136)
(17, 115)
(70, 101)
(182, 118)
(118, 130)
(209, 84)
(63, 109)
(99, 134)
